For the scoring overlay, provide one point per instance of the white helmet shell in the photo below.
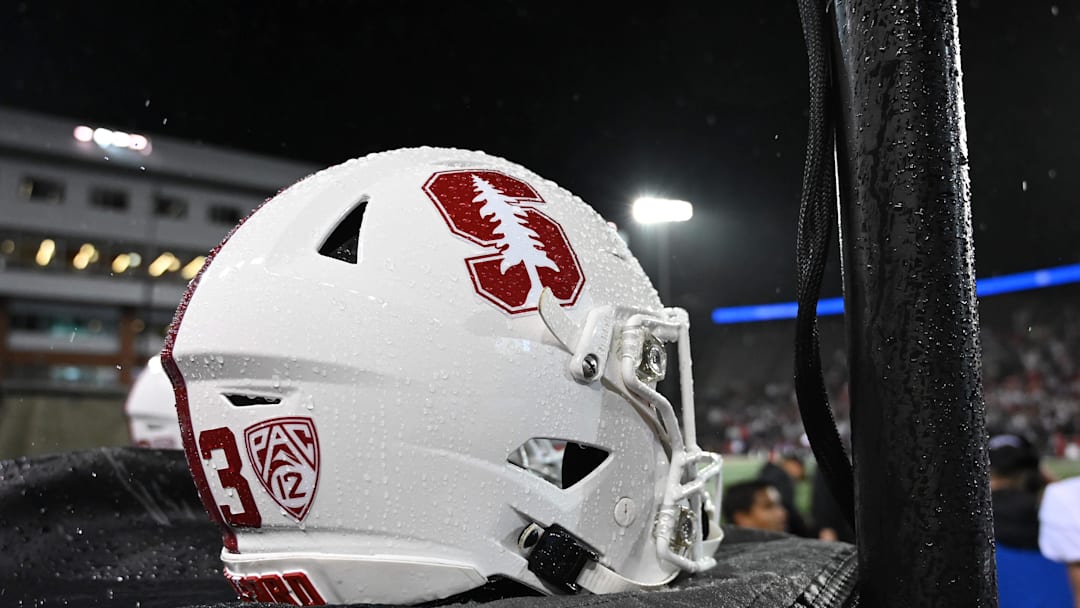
(361, 363)
(151, 409)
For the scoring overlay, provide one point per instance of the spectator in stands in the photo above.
(1025, 577)
(783, 476)
(754, 504)
(1015, 485)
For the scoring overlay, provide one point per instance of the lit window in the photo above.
(121, 263)
(87, 254)
(193, 267)
(166, 262)
(124, 261)
(46, 251)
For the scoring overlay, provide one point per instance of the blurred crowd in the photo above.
(1031, 384)
(1032, 378)
(1031, 387)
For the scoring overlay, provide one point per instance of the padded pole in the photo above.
(919, 443)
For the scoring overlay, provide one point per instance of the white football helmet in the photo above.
(151, 409)
(365, 364)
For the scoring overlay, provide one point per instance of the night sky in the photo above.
(701, 101)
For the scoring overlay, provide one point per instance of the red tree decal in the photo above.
(527, 250)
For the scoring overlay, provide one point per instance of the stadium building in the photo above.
(100, 231)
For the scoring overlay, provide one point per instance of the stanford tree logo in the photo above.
(525, 249)
(285, 454)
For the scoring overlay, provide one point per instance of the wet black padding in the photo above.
(113, 526)
(124, 527)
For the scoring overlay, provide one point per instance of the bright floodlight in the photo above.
(121, 139)
(102, 136)
(660, 210)
(84, 133)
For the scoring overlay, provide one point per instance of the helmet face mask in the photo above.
(694, 475)
(367, 362)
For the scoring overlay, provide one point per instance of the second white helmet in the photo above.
(151, 409)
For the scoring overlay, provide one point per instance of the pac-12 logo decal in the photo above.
(525, 250)
(285, 454)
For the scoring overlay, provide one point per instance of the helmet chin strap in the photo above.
(680, 538)
(598, 578)
(564, 561)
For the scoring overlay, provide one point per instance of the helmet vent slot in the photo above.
(245, 400)
(560, 462)
(344, 241)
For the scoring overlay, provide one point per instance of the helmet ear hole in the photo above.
(344, 241)
(560, 462)
(579, 460)
(246, 400)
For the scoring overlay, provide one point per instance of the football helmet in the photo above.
(369, 366)
(151, 409)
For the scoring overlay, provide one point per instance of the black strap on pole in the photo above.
(817, 217)
(919, 443)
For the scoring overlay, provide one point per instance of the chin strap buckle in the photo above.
(558, 558)
(564, 561)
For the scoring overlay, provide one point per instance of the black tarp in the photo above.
(124, 527)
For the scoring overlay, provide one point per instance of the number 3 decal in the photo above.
(222, 439)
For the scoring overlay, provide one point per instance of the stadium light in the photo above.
(107, 138)
(653, 211)
(648, 210)
(121, 139)
(139, 143)
(102, 137)
(84, 133)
